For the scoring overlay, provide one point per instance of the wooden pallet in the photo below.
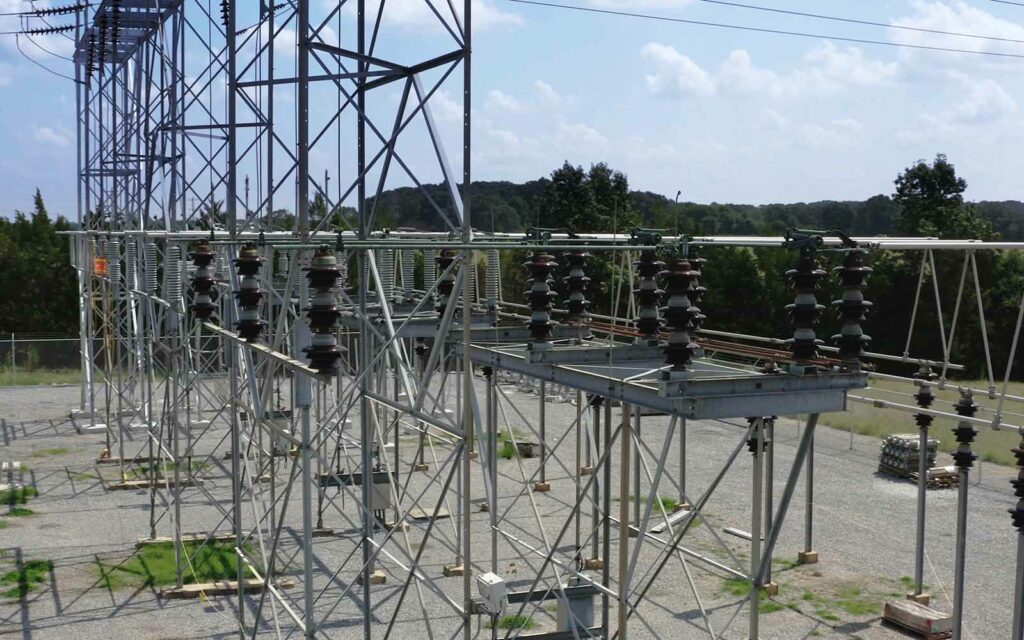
(938, 479)
(928, 623)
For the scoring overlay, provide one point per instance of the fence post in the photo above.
(14, 367)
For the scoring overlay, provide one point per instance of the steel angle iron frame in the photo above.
(154, 138)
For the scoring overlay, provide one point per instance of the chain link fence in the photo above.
(40, 358)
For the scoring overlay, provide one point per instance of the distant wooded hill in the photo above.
(506, 206)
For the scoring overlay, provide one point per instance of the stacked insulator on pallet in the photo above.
(447, 281)
(250, 294)
(648, 295)
(852, 309)
(576, 283)
(901, 453)
(202, 257)
(323, 274)
(682, 317)
(540, 295)
(805, 280)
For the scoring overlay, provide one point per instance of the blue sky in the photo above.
(723, 115)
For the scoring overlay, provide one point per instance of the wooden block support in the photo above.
(220, 588)
(771, 589)
(587, 471)
(422, 466)
(920, 598)
(376, 577)
(593, 564)
(918, 618)
(807, 557)
(542, 487)
(681, 506)
(452, 570)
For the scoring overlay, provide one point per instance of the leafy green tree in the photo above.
(35, 261)
(931, 201)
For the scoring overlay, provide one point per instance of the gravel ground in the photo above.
(864, 531)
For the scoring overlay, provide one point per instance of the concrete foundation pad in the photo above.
(109, 460)
(134, 485)
(187, 537)
(219, 588)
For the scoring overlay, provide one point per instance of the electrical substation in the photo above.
(396, 444)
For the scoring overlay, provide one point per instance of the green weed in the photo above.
(18, 583)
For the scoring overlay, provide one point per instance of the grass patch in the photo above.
(4, 524)
(826, 614)
(19, 512)
(507, 451)
(770, 606)
(22, 377)
(516, 622)
(991, 446)
(17, 583)
(18, 495)
(55, 451)
(84, 475)
(667, 503)
(152, 565)
(142, 471)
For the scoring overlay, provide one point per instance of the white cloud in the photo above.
(638, 4)
(826, 69)
(546, 92)
(501, 101)
(979, 106)
(444, 107)
(580, 137)
(417, 14)
(955, 17)
(50, 137)
(675, 74)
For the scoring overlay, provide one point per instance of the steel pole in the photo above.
(624, 461)
(757, 444)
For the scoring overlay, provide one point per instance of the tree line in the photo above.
(747, 288)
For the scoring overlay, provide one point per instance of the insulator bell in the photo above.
(250, 295)
(540, 295)
(682, 317)
(202, 257)
(805, 280)
(852, 309)
(648, 295)
(323, 274)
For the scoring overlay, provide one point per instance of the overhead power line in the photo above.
(869, 23)
(782, 32)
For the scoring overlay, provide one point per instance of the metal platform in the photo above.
(638, 375)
